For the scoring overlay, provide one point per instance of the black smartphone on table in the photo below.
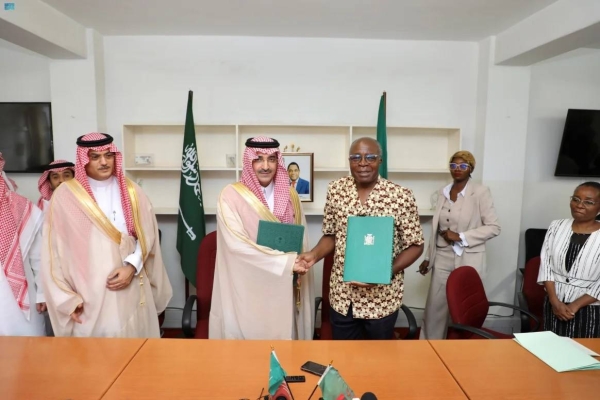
(313, 368)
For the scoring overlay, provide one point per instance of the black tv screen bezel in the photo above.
(562, 143)
(41, 167)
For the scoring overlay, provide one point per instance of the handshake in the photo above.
(304, 262)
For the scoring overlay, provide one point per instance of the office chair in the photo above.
(326, 333)
(534, 240)
(469, 306)
(205, 272)
(531, 297)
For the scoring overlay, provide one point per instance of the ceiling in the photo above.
(461, 20)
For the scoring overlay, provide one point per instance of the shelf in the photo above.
(177, 169)
(221, 148)
(307, 211)
(332, 169)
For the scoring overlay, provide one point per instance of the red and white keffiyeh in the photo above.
(13, 185)
(282, 208)
(44, 185)
(14, 213)
(82, 159)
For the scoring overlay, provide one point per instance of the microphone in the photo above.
(368, 396)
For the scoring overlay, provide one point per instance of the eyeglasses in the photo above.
(369, 158)
(586, 203)
(462, 166)
(96, 157)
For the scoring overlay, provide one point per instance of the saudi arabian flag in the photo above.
(190, 224)
(276, 374)
(382, 136)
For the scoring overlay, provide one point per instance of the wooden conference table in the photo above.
(71, 368)
(502, 369)
(62, 368)
(232, 370)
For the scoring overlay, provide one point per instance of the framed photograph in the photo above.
(300, 168)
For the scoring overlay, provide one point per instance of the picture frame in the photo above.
(302, 168)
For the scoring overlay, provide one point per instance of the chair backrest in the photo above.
(326, 333)
(205, 273)
(534, 240)
(467, 302)
(534, 293)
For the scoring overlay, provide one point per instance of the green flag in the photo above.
(333, 386)
(382, 136)
(190, 223)
(276, 374)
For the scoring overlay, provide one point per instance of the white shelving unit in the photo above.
(417, 158)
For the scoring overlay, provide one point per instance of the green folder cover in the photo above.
(556, 352)
(369, 246)
(282, 237)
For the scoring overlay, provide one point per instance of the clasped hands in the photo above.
(305, 261)
(563, 312)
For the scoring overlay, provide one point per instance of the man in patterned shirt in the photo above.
(360, 310)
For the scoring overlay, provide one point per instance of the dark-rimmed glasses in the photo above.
(369, 158)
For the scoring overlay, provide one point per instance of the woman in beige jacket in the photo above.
(463, 221)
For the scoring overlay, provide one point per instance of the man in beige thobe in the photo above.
(254, 293)
(101, 260)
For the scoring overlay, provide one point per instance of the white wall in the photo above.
(502, 121)
(569, 81)
(289, 81)
(24, 76)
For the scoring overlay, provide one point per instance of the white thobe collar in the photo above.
(108, 197)
(269, 192)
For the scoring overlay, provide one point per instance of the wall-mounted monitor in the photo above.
(579, 153)
(26, 136)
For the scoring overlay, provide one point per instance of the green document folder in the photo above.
(282, 237)
(369, 246)
(557, 352)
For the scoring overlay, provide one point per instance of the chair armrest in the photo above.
(186, 318)
(471, 329)
(318, 302)
(412, 322)
(521, 310)
(525, 325)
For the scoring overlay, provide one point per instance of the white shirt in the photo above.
(108, 197)
(458, 247)
(269, 193)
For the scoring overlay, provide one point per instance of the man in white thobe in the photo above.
(102, 263)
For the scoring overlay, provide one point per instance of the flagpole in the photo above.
(320, 379)
(289, 388)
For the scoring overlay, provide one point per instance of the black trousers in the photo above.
(346, 327)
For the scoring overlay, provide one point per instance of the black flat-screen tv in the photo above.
(26, 136)
(579, 153)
